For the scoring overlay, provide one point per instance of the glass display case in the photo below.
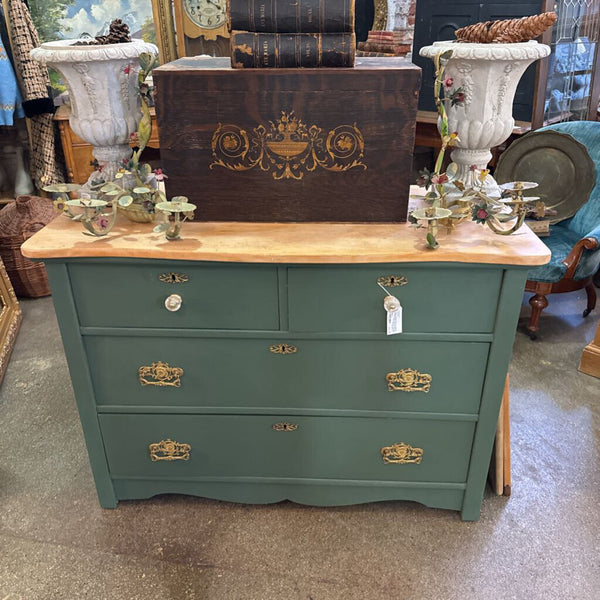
(573, 81)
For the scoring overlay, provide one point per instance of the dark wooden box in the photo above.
(289, 144)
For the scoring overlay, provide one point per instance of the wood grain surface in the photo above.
(377, 96)
(291, 243)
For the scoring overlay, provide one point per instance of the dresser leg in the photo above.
(107, 501)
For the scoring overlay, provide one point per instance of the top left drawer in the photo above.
(213, 296)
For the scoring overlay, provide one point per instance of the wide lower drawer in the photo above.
(389, 375)
(133, 294)
(186, 446)
(434, 299)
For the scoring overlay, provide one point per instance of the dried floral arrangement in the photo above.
(507, 31)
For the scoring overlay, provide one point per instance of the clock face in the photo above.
(208, 14)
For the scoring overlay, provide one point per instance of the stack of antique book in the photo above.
(386, 43)
(292, 33)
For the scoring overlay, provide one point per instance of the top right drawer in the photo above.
(438, 299)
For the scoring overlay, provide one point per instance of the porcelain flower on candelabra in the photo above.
(450, 201)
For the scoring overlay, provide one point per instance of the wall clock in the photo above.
(201, 27)
(207, 14)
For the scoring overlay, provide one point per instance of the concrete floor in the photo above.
(542, 543)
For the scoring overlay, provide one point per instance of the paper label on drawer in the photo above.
(394, 321)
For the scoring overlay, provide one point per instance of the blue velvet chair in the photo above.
(575, 242)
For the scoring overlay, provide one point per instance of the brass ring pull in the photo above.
(169, 450)
(285, 427)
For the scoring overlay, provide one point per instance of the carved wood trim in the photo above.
(165, 30)
(572, 260)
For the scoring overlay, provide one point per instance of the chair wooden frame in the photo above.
(567, 284)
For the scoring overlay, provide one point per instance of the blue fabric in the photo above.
(561, 242)
(585, 223)
(10, 98)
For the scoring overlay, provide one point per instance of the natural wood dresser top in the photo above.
(290, 243)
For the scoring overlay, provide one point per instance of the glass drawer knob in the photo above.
(173, 302)
(391, 303)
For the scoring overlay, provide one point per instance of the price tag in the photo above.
(393, 309)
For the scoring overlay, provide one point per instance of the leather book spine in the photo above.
(291, 50)
(292, 16)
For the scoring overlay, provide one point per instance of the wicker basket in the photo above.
(18, 222)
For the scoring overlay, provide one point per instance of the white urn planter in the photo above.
(488, 75)
(103, 89)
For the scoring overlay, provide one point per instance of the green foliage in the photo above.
(47, 15)
(149, 31)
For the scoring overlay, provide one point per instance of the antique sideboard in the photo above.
(249, 361)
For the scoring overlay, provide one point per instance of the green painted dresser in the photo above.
(249, 361)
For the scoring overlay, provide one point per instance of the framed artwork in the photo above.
(10, 319)
(150, 20)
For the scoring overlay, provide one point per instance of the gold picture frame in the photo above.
(162, 12)
(10, 319)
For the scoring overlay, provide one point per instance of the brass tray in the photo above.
(558, 162)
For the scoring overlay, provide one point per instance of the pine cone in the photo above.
(505, 32)
(118, 33)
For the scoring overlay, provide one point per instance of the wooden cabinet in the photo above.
(320, 144)
(275, 378)
(78, 154)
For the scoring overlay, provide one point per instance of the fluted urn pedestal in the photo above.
(488, 75)
(103, 90)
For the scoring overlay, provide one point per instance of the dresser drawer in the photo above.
(324, 447)
(390, 375)
(442, 299)
(213, 296)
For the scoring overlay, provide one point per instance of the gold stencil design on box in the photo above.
(288, 148)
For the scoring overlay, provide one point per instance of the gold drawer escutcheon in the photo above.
(408, 380)
(285, 427)
(169, 450)
(392, 280)
(401, 454)
(173, 277)
(283, 349)
(161, 374)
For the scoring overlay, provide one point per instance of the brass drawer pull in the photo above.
(283, 349)
(161, 374)
(169, 450)
(392, 280)
(401, 454)
(173, 302)
(408, 380)
(173, 277)
(285, 427)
